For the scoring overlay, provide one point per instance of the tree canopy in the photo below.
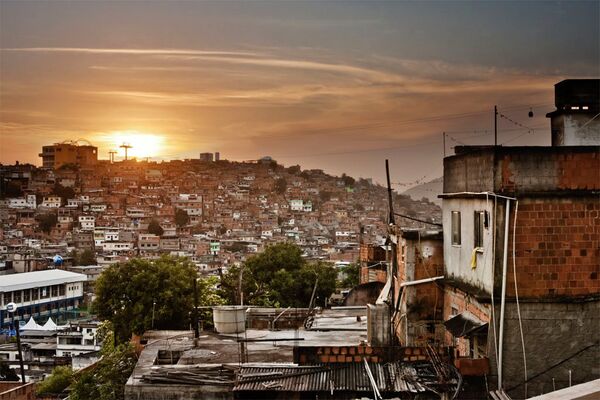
(279, 276)
(47, 221)
(280, 185)
(181, 217)
(106, 381)
(155, 228)
(126, 293)
(86, 257)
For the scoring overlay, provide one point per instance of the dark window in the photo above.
(479, 222)
(34, 293)
(17, 296)
(456, 228)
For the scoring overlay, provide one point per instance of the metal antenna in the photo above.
(112, 155)
(126, 146)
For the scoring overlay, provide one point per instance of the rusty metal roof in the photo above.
(393, 377)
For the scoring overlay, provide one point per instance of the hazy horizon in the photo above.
(338, 86)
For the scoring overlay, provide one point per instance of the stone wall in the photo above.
(559, 337)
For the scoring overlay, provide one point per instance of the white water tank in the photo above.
(229, 319)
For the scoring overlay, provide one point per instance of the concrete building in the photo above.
(79, 339)
(419, 278)
(574, 121)
(524, 219)
(206, 157)
(40, 293)
(58, 154)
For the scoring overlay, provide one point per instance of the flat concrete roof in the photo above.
(28, 280)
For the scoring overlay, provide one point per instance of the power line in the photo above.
(418, 220)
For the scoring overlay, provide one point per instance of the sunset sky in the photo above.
(339, 86)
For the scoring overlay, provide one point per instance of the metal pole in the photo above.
(153, 305)
(495, 126)
(389, 187)
(444, 140)
(503, 299)
(17, 327)
(195, 316)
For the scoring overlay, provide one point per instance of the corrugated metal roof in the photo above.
(393, 377)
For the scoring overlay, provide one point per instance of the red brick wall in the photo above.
(557, 247)
(454, 297)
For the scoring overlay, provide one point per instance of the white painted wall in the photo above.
(457, 259)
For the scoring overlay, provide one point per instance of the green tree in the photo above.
(208, 295)
(155, 228)
(348, 180)
(126, 293)
(181, 217)
(280, 185)
(278, 276)
(63, 192)
(351, 275)
(106, 381)
(294, 169)
(47, 221)
(324, 195)
(86, 257)
(60, 378)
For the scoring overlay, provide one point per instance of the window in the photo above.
(479, 223)
(456, 228)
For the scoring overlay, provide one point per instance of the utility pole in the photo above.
(195, 316)
(12, 309)
(444, 140)
(112, 156)
(391, 219)
(495, 125)
(125, 146)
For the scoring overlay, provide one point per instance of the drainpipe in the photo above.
(503, 300)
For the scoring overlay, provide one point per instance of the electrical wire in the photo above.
(517, 294)
(492, 291)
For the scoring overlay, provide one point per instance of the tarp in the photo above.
(463, 324)
(50, 325)
(31, 325)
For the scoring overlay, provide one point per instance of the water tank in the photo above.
(229, 319)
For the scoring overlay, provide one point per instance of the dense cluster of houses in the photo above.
(231, 210)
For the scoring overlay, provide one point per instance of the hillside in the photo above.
(430, 190)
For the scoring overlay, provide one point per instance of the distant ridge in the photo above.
(429, 190)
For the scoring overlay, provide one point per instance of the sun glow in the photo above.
(141, 144)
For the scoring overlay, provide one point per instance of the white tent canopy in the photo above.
(31, 325)
(50, 325)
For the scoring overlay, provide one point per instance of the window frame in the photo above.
(455, 232)
(479, 218)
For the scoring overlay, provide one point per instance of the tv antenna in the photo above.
(126, 146)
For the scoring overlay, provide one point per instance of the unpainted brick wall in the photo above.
(557, 247)
(454, 297)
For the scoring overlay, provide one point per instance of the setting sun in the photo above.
(142, 144)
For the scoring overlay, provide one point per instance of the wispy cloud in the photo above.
(92, 50)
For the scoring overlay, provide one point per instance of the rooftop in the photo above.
(27, 280)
